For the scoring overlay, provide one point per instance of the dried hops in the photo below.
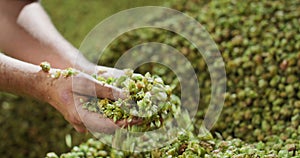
(149, 99)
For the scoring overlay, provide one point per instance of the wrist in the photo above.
(41, 89)
(34, 83)
(22, 78)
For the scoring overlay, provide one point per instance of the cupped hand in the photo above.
(67, 94)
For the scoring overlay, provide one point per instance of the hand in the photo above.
(67, 98)
(107, 72)
(31, 46)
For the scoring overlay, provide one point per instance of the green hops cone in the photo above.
(149, 99)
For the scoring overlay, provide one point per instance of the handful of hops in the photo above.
(150, 100)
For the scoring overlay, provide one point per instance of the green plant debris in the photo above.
(56, 74)
(67, 72)
(45, 66)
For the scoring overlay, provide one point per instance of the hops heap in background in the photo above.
(260, 43)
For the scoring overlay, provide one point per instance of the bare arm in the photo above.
(27, 34)
(17, 77)
(28, 79)
(30, 36)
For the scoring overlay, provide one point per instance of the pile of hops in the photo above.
(259, 42)
(149, 100)
(187, 145)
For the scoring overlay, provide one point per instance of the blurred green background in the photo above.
(30, 128)
(74, 19)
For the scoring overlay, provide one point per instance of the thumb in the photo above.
(108, 91)
(88, 86)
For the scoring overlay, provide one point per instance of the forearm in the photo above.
(22, 78)
(30, 36)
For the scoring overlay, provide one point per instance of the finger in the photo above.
(73, 116)
(97, 123)
(110, 92)
(94, 122)
(107, 72)
(80, 128)
(125, 123)
(88, 86)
